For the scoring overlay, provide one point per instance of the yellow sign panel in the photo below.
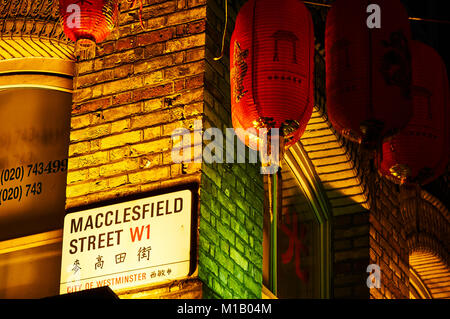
(127, 244)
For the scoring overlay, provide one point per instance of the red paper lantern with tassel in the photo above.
(87, 22)
(368, 70)
(272, 64)
(420, 152)
(272, 72)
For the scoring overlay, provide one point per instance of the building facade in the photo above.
(80, 133)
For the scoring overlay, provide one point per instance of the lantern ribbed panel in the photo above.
(423, 145)
(368, 71)
(97, 18)
(272, 64)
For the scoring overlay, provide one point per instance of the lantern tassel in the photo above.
(85, 49)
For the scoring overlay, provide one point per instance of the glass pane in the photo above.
(34, 136)
(298, 243)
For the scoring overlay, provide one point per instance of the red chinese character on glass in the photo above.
(296, 245)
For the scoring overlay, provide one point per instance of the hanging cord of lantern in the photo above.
(309, 3)
(224, 32)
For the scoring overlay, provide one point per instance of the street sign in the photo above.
(128, 244)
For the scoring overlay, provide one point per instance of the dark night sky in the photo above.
(436, 35)
(431, 9)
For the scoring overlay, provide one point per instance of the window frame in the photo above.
(301, 167)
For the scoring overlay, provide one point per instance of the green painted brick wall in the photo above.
(230, 234)
(231, 194)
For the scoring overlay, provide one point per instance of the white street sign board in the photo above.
(127, 244)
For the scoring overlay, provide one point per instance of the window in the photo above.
(303, 233)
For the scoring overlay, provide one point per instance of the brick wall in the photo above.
(388, 245)
(374, 237)
(128, 99)
(232, 195)
(351, 255)
(143, 84)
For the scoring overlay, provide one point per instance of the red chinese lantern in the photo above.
(88, 21)
(368, 70)
(420, 152)
(272, 64)
(272, 72)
